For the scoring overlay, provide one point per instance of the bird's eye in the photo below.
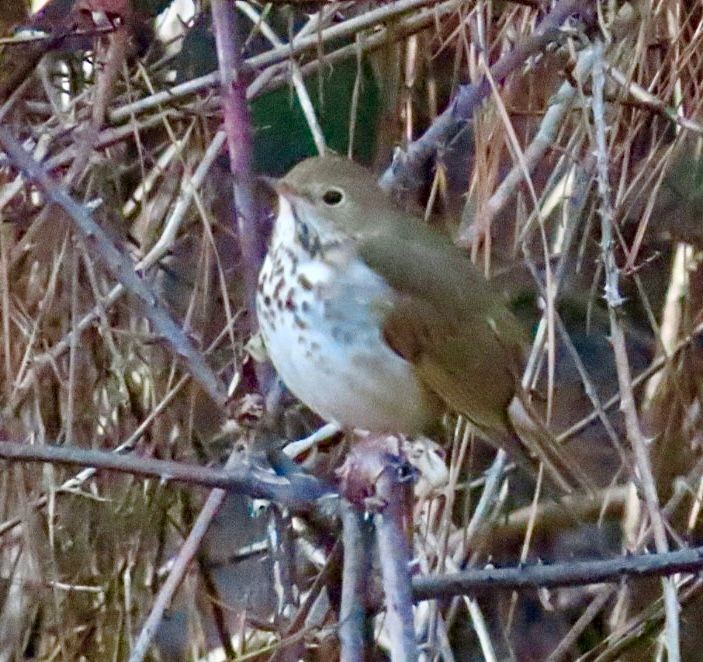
(332, 197)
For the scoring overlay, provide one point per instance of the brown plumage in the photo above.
(391, 283)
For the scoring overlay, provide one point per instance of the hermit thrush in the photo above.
(377, 322)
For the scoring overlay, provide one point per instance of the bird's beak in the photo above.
(278, 186)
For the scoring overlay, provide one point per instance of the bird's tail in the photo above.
(541, 446)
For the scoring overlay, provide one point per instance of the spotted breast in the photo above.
(320, 317)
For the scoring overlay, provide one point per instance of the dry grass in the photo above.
(82, 556)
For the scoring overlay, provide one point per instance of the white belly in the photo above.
(328, 348)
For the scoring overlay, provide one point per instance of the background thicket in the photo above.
(593, 126)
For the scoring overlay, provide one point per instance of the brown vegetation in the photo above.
(559, 142)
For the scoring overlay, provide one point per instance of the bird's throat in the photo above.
(292, 229)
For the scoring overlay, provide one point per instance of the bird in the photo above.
(378, 322)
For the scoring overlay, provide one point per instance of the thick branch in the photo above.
(237, 125)
(394, 555)
(355, 581)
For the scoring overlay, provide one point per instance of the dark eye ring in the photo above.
(333, 197)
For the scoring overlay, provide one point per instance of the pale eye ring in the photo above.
(333, 197)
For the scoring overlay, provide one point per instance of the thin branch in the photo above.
(182, 562)
(243, 477)
(656, 366)
(617, 337)
(584, 620)
(543, 140)
(568, 573)
(296, 73)
(643, 627)
(345, 29)
(168, 234)
(297, 624)
(127, 446)
(653, 102)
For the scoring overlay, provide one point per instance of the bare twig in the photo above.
(643, 626)
(241, 477)
(617, 337)
(652, 101)
(31, 57)
(295, 73)
(298, 623)
(161, 246)
(102, 93)
(543, 140)
(656, 366)
(568, 573)
(583, 621)
(363, 21)
(125, 447)
(185, 556)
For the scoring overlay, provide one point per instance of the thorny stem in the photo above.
(622, 364)
(119, 265)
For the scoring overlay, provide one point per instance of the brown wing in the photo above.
(446, 320)
(465, 345)
(459, 360)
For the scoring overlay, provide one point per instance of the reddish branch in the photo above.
(394, 556)
(353, 613)
(237, 124)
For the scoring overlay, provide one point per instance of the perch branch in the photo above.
(355, 580)
(394, 555)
